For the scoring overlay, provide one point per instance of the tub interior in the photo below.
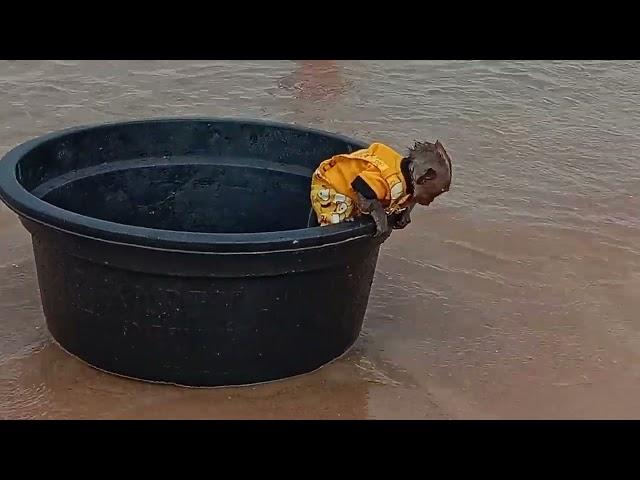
(193, 176)
(198, 194)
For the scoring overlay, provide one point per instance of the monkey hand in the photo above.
(402, 219)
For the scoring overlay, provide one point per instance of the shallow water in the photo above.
(515, 295)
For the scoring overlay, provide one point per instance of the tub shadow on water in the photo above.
(50, 384)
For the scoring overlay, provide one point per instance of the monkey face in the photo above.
(431, 172)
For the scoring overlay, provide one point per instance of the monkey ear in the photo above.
(429, 175)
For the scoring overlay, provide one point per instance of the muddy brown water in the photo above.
(515, 295)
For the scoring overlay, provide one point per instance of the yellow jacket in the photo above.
(375, 172)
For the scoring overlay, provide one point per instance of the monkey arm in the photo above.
(370, 189)
(377, 212)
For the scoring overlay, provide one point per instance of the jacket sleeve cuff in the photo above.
(362, 187)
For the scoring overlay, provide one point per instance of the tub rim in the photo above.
(27, 205)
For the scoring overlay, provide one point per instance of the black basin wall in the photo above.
(177, 250)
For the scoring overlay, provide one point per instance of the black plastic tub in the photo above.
(178, 250)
